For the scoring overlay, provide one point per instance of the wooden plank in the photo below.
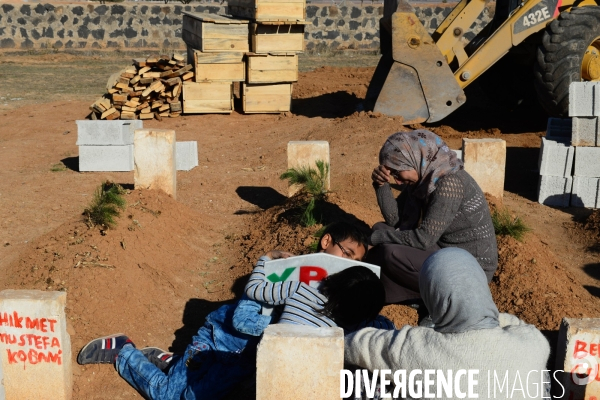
(269, 10)
(147, 116)
(269, 42)
(207, 91)
(207, 106)
(220, 72)
(266, 68)
(127, 115)
(108, 112)
(214, 18)
(267, 98)
(217, 58)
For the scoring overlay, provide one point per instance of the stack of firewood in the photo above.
(150, 88)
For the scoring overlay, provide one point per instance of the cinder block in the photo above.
(578, 355)
(458, 154)
(106, 158)
(556, 159)
(585, 131)
(485, 161)
(35, 347)
(559, 130)
(106, 133)
(584, 99)
(587, 162)
(305, 154)
(155, 160)
(299, 362)
(585, 192)
(555, 190)
(187, 155)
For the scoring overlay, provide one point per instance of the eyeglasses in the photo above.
(345, 252)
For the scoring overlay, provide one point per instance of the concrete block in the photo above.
(585, 192)
(556, 159)
(299, 362)
(587, 162)
(106, 133)
(305, 154)
(585, 131)
(458, 154)
(485, 161)
(555, 190)
(559, 130)
(35, 348)
(584, 99)
(578, 345)
(106, 158)
(155, 160)
(187, 155)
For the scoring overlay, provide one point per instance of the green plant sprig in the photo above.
(104, 208)
(506, 225)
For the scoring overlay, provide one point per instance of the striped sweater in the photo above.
(301, 302)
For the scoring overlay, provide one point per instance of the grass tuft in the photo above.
(312, 184)
(108, 200)
(507, 225)
(60, 167)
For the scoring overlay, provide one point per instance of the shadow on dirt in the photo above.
(328, 105)
(522, 174)
(261, 196)
(195, 312)
(71, 163)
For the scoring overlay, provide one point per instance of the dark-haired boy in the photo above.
(223, 352)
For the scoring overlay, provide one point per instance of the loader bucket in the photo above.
(420, 86)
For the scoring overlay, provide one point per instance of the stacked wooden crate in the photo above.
(216, 47)
(265, 59)
(276, 38)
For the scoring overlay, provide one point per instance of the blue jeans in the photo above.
(208, 375)
(218, 358)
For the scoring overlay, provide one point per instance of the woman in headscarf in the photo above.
(468, 334)
(440, 206)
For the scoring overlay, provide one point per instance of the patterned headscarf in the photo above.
(423, 151)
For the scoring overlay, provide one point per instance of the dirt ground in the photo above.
(170, 262)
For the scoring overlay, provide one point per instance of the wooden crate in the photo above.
(207, 97)
(268, 10)
(277, 37)
(272, 68)
(209, 33)
(273, 98)
(219, 67)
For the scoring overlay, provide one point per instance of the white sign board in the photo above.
(310, 269)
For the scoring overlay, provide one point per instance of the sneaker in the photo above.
(103, 350)
(158, 357)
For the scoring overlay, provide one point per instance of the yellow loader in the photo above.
(422, 77)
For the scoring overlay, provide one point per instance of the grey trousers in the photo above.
(400, 267)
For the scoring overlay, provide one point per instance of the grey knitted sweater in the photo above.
(456, 214)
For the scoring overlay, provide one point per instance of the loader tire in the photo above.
(560, 56)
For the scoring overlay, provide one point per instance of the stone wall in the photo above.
(149, 25)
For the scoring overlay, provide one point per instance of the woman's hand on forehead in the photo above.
(381, 175)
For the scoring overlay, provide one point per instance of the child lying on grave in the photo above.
(224, 350)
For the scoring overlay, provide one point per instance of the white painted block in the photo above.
(305, 154)
(35, 348)
(555, 190)
(584, 99)
(299, 362)
(585, 131)
(585, 192)
(106, 133)
(106, 158)
(559, 130)
(587, 162)
(578, 345)
(485, 161)
(187, 155)
(458, 154)
(155, 160)
(556, 159)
